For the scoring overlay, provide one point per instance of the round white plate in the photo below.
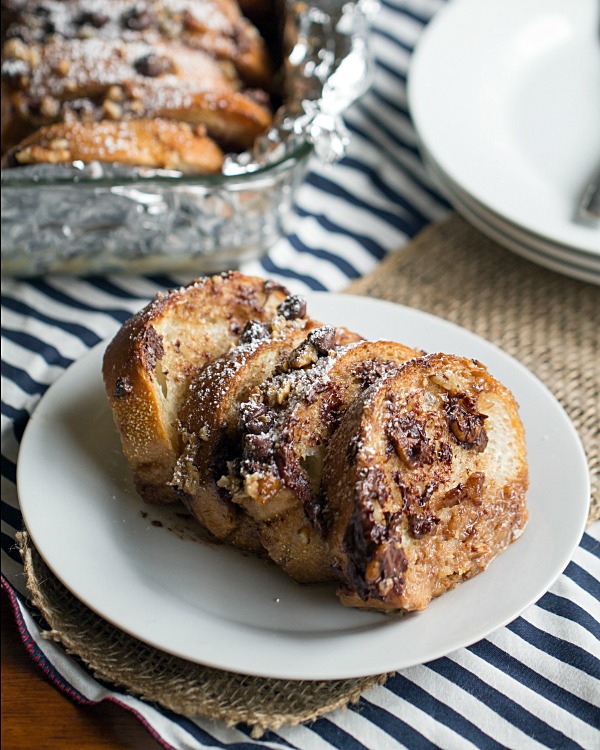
(568, 265)
(505, 95)
(145, 571)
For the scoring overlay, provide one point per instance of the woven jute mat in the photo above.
(547, 321)
(181, 686)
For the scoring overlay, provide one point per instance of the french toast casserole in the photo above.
(154, 83)
(394, 472)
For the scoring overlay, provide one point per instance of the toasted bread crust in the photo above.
(152, 360)
(425, 483)
(163, 144)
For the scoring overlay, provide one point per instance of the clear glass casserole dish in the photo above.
(101, 218)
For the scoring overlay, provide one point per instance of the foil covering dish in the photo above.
(87, 218)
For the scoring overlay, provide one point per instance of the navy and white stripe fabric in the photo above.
(532, 684)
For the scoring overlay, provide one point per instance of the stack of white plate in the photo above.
(505, 98)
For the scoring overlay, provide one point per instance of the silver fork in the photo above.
(589, 205)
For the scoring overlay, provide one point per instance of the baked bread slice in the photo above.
(210, 419)
(425, 483)
(116, 79)
(209, 423)
(149, 366)
(287, 425)
(219, 27)
(215, 26)
(161, 144)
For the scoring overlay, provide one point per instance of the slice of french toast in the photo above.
(164, 144)
(287, 424)
(210, 419)
(151, 362)
(425, 483)
(123, 79)
(210, 422)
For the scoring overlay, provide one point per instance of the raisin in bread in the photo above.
(155, 356)
(287, 425)
(425, 483)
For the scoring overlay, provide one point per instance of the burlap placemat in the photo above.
(547, 321)
(183, 687)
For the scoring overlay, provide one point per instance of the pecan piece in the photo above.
(409, 440)
(465, 421)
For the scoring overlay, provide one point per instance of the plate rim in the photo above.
(566, 264)
(287, 672)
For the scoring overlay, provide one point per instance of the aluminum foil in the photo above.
(97, 218)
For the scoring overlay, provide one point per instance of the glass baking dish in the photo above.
(101, 218)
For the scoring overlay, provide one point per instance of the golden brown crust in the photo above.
(152, 360)
(425, 483)
(163, 144)
(231, 117)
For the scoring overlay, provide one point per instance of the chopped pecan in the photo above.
(303, 356)
(409, 440)
(465, 421)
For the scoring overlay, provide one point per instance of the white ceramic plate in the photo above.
(143, 570)
(505, 95)
(561, 262)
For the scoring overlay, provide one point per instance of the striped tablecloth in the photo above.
(534, 683)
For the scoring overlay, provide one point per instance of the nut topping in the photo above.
(409, 440)
(303, 356)
(465, 421)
